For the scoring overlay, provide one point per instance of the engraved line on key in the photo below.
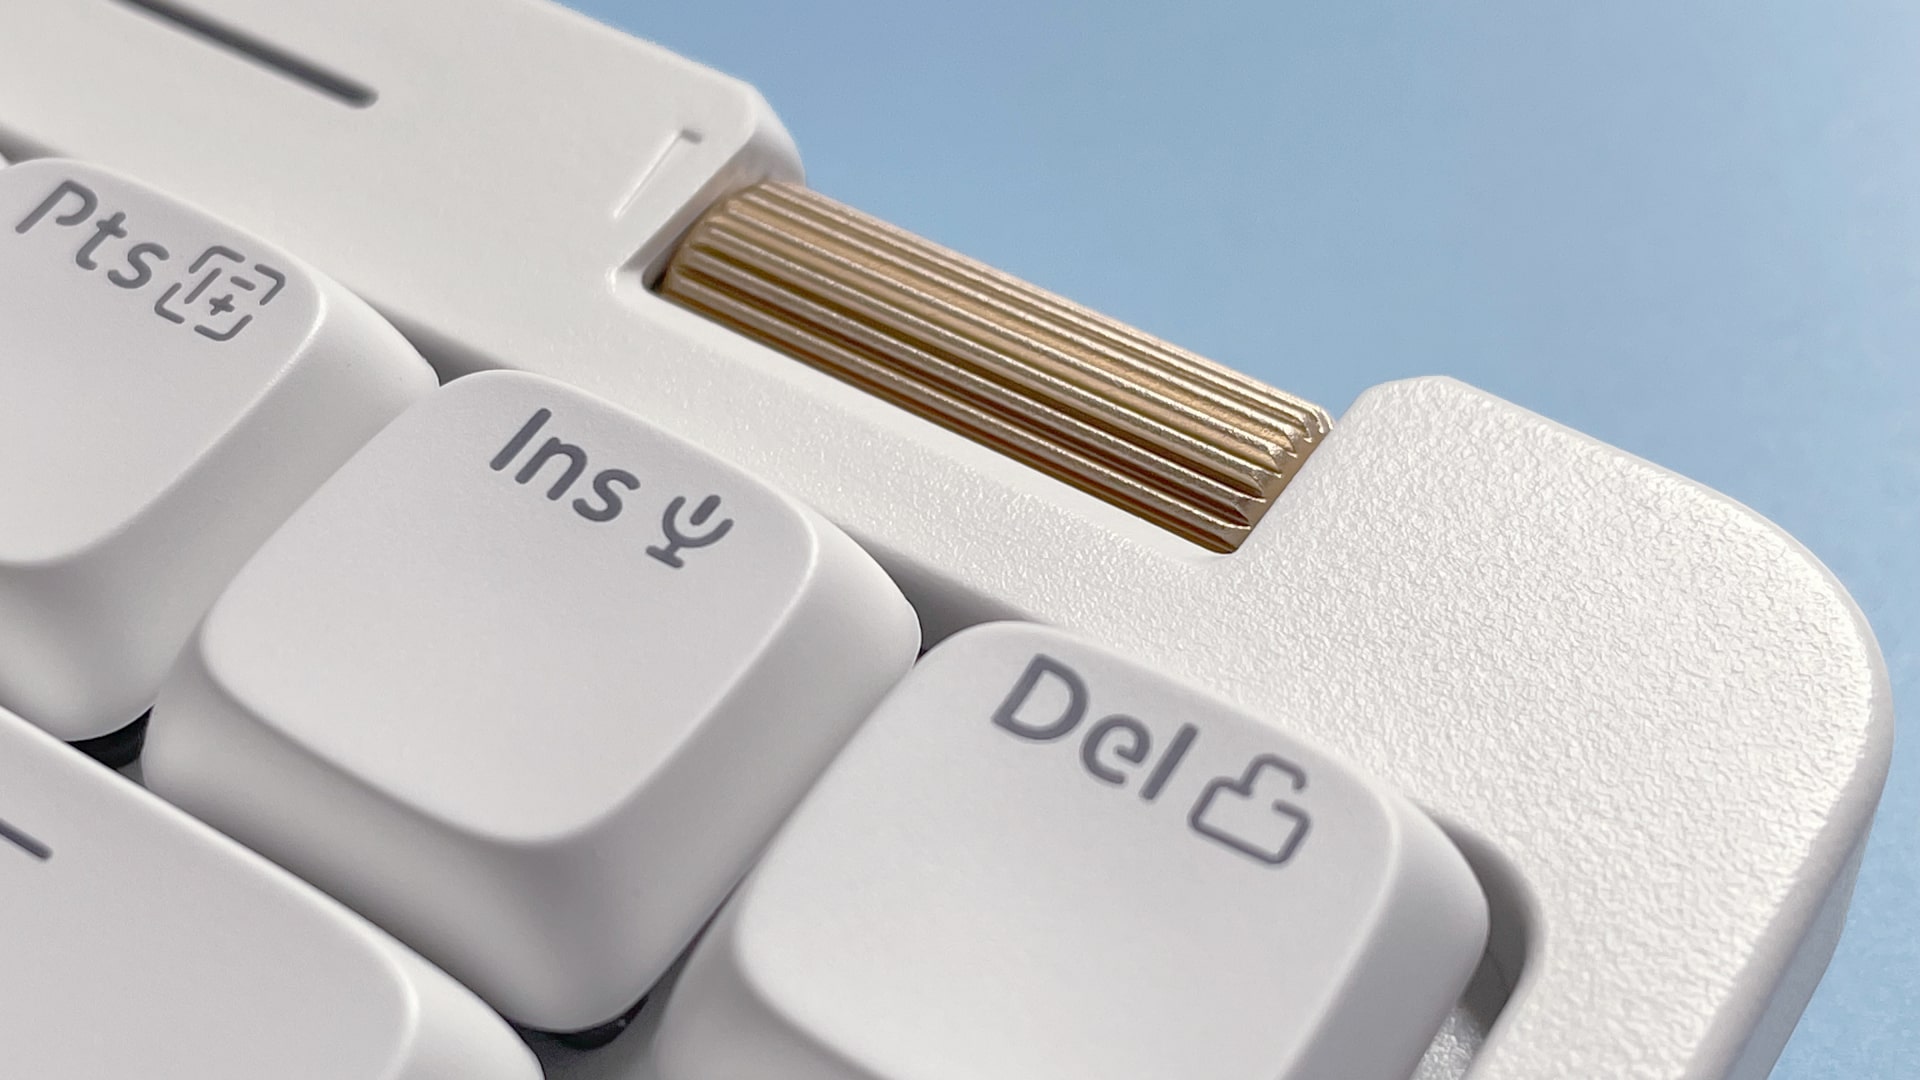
(346, 91)
(24, 842)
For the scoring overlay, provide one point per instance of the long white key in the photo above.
(170, 389)
(1041, 860)
(529, 683)
(137, 942)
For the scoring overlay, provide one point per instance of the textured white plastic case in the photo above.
(1656, 724)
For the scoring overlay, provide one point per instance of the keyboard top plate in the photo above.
(1683, 229)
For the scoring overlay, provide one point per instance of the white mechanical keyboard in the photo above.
(601, 610)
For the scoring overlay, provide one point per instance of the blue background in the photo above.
(1690, 230)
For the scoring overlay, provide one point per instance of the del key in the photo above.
(1039, 859)
(529, 682)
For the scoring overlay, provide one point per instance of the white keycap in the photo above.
(529, 683)
(170, 389)
(137, 942)
(1040, 860)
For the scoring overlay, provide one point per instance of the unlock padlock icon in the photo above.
(1249, 813)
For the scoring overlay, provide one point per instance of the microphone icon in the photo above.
(679, 540)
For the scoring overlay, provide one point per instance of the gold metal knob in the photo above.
(1185, 443)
